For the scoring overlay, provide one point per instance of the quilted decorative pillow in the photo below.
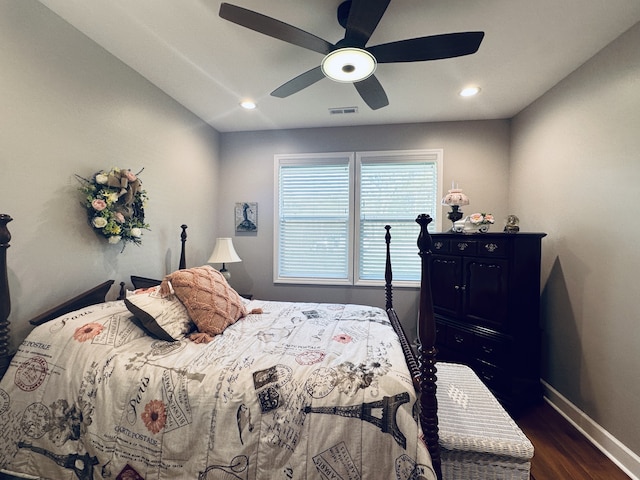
(163, 317)
(211, 302)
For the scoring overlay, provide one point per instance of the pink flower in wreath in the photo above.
(130, 176)
(87, 331)
(98, 204)
(342, 338)
(119, 217)
(154, 416)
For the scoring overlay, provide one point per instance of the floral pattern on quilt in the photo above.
(302, 391)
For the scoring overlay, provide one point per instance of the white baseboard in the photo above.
(618, 453)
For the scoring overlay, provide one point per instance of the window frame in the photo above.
(354, 161)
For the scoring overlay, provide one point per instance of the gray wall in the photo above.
(475, 156)
(68, 107)
(575, 173)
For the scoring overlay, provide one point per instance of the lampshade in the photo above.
(455, 197)
(223, 252)
(348, 65)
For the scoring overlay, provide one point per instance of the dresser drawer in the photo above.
(491, 350)
(459, 339)
(492, 248)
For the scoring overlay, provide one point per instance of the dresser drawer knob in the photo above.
(491, 247)
(486, 376)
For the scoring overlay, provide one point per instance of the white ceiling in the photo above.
(209, 64)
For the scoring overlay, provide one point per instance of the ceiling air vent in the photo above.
(341, 110)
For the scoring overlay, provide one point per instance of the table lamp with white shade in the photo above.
(224, 253)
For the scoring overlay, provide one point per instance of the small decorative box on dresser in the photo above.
(486, 298)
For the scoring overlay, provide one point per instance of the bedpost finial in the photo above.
(388, 275)
(424, 239)
(5, 235)
(183, 238)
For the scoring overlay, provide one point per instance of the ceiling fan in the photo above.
(350, 60)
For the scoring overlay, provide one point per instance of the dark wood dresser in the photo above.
(486, 297)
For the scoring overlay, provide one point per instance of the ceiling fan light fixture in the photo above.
(348, 65)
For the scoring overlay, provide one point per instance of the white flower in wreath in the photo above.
(102, 179)
(99, 222)
(114, 239)
(136, 232)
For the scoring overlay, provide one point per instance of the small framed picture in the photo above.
(246, 214)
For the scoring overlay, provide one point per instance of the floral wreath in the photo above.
(115, 202)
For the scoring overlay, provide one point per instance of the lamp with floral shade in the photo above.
(455, 199)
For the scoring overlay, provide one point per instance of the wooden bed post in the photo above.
(5, 300)
(183, 239)
(388, 275)
(412, 363)
(427, 349)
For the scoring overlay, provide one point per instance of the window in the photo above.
(331, 209)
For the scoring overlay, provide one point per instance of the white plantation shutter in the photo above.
(395, 187)
(313, 224)
(331, 211)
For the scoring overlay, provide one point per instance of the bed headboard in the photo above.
(5, 301)
(145, 282)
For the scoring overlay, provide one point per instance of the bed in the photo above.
(289, 390)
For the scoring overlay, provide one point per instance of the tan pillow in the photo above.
(166, 318)
(211, 302)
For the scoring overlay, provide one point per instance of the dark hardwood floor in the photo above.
(561, 452)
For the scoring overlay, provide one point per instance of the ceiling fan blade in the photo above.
(274, 28)
(301, 81)
(434, 47)
(372, 92)
(364, 16)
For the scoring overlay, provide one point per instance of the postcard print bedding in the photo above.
(301, 391)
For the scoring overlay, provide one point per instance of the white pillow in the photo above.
(165, 318)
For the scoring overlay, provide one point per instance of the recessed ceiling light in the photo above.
(469, 91)
(248, 104)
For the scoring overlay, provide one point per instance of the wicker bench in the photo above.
(478, 438)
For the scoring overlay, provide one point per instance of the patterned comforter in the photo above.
(301, 391)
